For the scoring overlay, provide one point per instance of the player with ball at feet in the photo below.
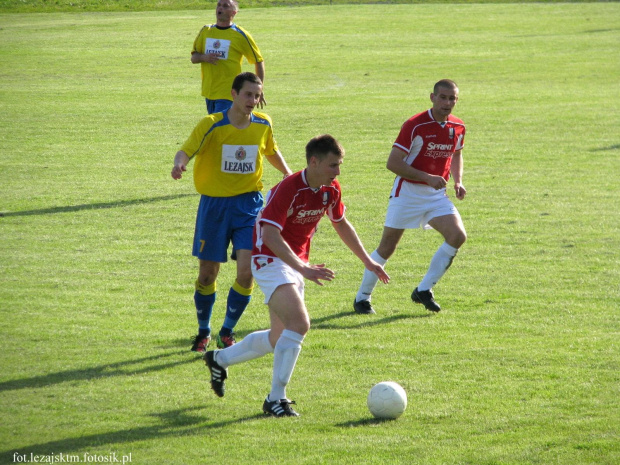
(280, 263)
(427, 150)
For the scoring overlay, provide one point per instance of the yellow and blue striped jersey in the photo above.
(231, 44)
(229, 161)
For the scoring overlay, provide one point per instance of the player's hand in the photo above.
(211, 58)
(177, 171)
(378, 270)
(262, 102)
(318, 273)
(436, 182)
(460, 191)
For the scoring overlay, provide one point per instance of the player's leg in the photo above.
(239, 296)
(405, 211)
(254, 345)
(288, 314)
(210, 245)
(246, 208)
(204, 299)
(389, 241)
(452, 229)
(287, 306)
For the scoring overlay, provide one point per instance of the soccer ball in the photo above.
(387, 400)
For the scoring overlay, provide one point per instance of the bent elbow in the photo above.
(390, 166)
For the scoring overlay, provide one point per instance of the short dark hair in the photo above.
(321, 146)
(243, 78)
(445, 83)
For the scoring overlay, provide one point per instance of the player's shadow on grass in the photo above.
(173, 423)
(94, 206)
(604, 149)
(317, 323)
(108, 370)
(370, 320)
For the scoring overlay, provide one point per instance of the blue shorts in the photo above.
(217, 106)
(221, 220)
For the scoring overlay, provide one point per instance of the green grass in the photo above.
(30, 6)
(96, 275)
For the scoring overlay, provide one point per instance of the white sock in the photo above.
(440, 263)
(369, 281)
(252, 346)
(284, 358)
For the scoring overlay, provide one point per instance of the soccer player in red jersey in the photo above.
(427, 150)
(280, 264)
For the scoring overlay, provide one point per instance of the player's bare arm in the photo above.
(273, 239)
(279, 163)
(397, 165)
(349, 236)
(259, 69)
(180, 164)
(456, 170)
(205, 58)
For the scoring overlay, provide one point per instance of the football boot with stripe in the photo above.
(279, 408)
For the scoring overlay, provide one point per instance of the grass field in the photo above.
(47, 6)
(96, 276)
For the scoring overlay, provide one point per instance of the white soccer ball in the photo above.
(387, 400)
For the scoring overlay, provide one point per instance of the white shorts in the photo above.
(271, 273)
(416, 205)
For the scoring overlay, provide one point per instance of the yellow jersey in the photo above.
(229, 161)
(231, 44)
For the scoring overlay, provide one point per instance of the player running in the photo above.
(280, 264)
(427, 150)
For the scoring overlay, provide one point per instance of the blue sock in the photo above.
(238, 299)
(204, 307)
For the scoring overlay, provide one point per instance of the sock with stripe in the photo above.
(238, 299)
(369, 281)
(204, 298)
(440, 263)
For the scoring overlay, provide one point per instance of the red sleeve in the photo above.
(405, 136)
(336, 209)
(278, 203)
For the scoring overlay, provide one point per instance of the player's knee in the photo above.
(301, 326)
(206, 279)
(463, 237)
(245, 279)
(207, 272)
(458, 238)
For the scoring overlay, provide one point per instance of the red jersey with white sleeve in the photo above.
(295, 209)
(429, 144)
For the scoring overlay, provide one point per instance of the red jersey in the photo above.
(296, 209)
(429, 144)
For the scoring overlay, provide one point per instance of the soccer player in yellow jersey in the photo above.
(228, 150)
(219, 49)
